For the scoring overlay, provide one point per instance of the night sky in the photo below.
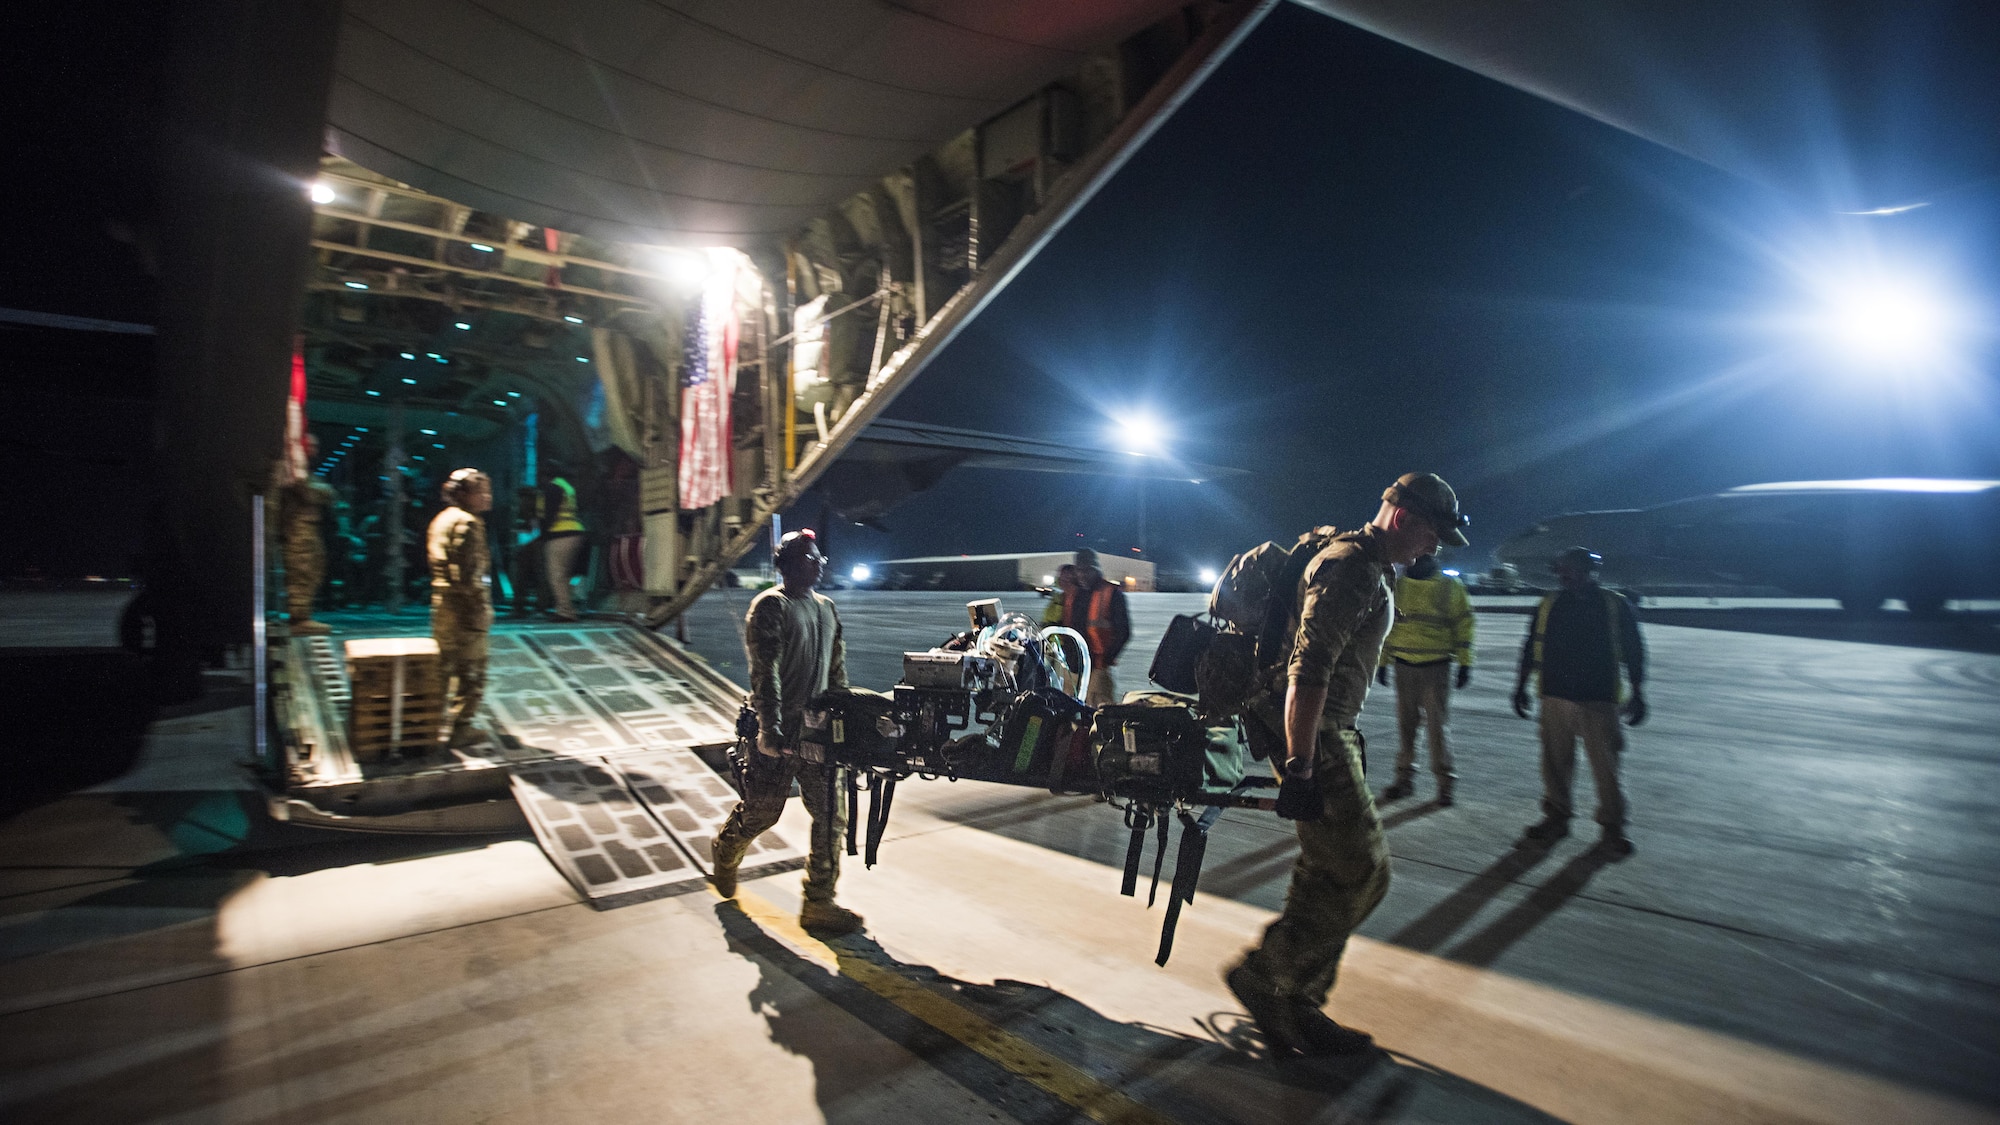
(1344, 259)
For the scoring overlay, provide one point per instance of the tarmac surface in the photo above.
(1808, 931)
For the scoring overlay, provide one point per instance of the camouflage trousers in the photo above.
(767, 784)
(1341, 875)
(305, 570)
(461, 640)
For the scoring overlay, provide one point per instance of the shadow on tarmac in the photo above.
(1220, 1072)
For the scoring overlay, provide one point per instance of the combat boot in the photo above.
(1445, 799)
(1402, 787)
(1275, 1016)
(310, 628)
(1614, 843)
(828, 918)
(722, 868)
(1321, 1035)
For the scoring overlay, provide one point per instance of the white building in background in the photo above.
(1002, 572)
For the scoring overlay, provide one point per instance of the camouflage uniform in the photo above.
(461, 610)
(302, 504)
(1343, 867)
(795, 651)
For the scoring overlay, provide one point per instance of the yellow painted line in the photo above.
(1092, 1098)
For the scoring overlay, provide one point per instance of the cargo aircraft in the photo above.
(1862, 542)
(707, 244)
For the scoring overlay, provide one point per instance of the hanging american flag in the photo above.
(296, 467)
(708, 375)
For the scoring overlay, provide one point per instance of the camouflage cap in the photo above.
(1428, 495)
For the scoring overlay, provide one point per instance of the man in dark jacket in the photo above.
(1580, 636)
(1095, 607)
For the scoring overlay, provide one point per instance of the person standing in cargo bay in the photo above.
(461, 598)
(792, 639)
(301, 506)
(1343, 610)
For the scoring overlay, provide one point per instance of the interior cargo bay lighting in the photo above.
(583, 359)
(355, 284)
(462, 326)
(409, 382)
(687, 269)
(499, 402)
(409, 355)
(482, 247)
(322, 193)
(513, 394)
(574, 319)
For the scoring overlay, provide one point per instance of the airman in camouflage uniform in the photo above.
(793, 641)
(300, 506)
(461, 596)
(1344, 609)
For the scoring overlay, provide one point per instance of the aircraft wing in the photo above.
(889, 440)
(1854, 106)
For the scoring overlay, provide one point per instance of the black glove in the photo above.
(1299, 797)
(1464, 675)
(1635, 710)
(1521, 701)
(1382, 675)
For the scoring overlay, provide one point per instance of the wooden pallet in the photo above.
(397, 696)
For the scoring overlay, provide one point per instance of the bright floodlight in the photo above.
(1887, 320)
(1139, 434)
(322, 194)
(1207, 575)
(860, 573)
(687, 269)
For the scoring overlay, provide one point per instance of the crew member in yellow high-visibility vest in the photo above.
(562, 540)
(1580, 637)
(1433, 631)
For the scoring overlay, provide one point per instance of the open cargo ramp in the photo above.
(601, 735)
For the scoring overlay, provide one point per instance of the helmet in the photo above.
(1429, 496)
(795, 544)
(463, 483)
(1583, 557)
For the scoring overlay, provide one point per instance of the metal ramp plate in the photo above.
(603, 841)
(592, 689)
(680, 790)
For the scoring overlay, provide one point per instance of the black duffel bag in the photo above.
(1188, 636)
(1033, 742)
(851, 727)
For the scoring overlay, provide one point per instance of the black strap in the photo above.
(878, 815)
(1159, 859)
(1187, 872)
(1138, 820)
(853, 801)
